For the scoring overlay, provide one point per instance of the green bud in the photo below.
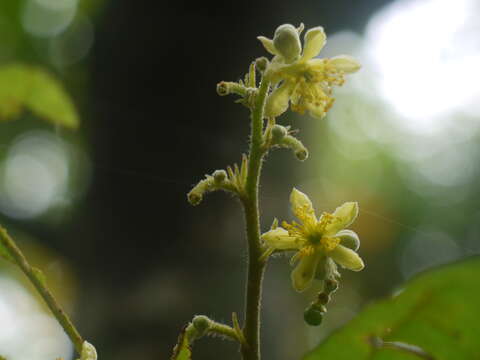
(313, 316)
(261, 64)
(278, 133)
(301, 154)
(219, 176)
(287, 42)
(201, 324)
(191, 333)
(330, 286)
(194, 198)
(349, 239)
(222, 88)
(323, 298)
(291, 142)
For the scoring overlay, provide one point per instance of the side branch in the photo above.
(37, 280)
(201, 326)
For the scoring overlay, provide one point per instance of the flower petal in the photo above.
(314, 41)
(278, 238)
(268, 44)
(317, 112)
(302, 208)
(287, 42)
(304, 272)
(277, 102)
(344, 215)
(347, 258)
(349, 239)
(345, 63)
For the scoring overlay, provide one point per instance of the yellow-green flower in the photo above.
(301, 80)
(318, 241)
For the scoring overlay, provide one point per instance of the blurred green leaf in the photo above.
(438, 312)
(23, 86)
(182, 351)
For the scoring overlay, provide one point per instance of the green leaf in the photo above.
(182, 351)
(437, 313)
(23, 86)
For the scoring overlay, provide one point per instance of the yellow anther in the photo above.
(329, 243)
(307, 250)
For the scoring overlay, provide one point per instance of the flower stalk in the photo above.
(291, 79)
(256, 265)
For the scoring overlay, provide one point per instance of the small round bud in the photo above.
(287, 42)
(261, 64)
(349, 239)
(219, 176)
(278, 133)
(323, 298)
(330, 286)
(201, 324)
(301, 154)
(222, 88)
(313, 316)
(194, 198)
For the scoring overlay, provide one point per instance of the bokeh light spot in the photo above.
(27, 333)
(34, 175)
(426, 68)
(47, 18)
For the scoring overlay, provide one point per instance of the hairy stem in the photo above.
(46, 294)
(256, 266)
(224, 330)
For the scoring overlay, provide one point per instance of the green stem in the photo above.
(256, 266)
(46, 294)
(224, 330)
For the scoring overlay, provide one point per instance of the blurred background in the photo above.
(103, 210)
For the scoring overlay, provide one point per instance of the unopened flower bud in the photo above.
(313, 315)
(323, 298)
(300, 151)
(219, 176)
(222, 88)
(287, 42)
(349, 239)
(201, 324)
(301, 154)
(194, 198)
(278, 133)
(88, 352)
(261, 64)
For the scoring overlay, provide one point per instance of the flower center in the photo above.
(314, 238)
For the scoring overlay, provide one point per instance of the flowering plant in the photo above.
(299, 80)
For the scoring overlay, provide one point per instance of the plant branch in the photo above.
(37, 281)
(256, 266)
